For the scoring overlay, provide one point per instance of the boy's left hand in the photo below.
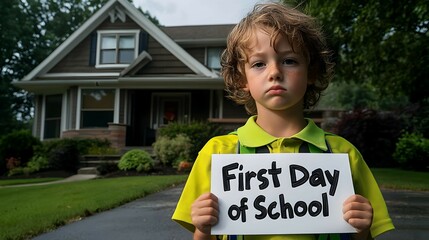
(357, 211)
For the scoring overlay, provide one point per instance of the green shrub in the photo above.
(16, 172)
(107, 167)
(17, 145)
(170, 151)
(412, 152)
(136, 159)
(93, 146)
(101, 150)
(417, 117)
(198, 132)
(64, 155)
(59, 154)
(373, 133)
(36, 164)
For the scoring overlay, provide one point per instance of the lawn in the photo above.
(29, 211)
(401, 179)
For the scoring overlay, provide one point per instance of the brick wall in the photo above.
(115, 133)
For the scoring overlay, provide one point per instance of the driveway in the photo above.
(145, 218)
(410, 214)
(150, 218)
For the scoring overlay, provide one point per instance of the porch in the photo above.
(117, 133)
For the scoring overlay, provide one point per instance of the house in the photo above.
(121, 77)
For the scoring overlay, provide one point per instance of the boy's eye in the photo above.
(258, 65)
(289, 61)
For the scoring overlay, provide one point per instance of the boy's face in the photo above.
(276, 79)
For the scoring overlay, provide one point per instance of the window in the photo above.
(97, 107)
(213, 57)
(52, 126)
(117, 48)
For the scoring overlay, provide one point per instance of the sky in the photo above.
(197, 12)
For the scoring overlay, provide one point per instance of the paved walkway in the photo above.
(73, 178)
(149, 218)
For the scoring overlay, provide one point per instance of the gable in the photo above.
(70, 56)
(162, 61)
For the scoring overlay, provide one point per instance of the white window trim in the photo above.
(79, 105)
(42, 126)
(64, 111)
(103, 32)
(79, 108)
(116, 106)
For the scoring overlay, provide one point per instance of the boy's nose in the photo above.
(275, 73)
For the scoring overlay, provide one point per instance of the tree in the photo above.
(29, 31)
(380, 43)
(10, 32)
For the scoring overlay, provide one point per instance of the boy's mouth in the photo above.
(276, 90)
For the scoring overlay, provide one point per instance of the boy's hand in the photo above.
(204, 214)
(357, 211)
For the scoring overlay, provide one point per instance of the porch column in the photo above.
(117, 134)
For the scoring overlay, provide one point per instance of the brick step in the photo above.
(97, 160)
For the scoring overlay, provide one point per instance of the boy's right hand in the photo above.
(204, 213)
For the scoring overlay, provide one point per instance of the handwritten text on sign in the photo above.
(281, 193)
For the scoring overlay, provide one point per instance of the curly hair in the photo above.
(277, 20)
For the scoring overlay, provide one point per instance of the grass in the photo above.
(30, 211)
(10, 182)
(401, 179)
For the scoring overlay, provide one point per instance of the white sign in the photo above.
(287, 193)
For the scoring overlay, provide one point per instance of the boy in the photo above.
(276, 64)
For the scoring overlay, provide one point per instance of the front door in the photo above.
(170, 108)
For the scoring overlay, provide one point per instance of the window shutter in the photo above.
(144, 39)
(93, 49)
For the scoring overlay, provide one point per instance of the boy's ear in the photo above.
(246, 87)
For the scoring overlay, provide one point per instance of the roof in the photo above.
(201, 33)
(95, 20)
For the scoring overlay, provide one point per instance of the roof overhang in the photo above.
(201, 42)
(58, 86)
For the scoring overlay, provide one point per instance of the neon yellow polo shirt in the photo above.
(251, 135)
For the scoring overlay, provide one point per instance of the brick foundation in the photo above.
(115, 133)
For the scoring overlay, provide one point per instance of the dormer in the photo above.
(116, 48)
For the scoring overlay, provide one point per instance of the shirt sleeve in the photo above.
(199, 178)
(366, 185)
